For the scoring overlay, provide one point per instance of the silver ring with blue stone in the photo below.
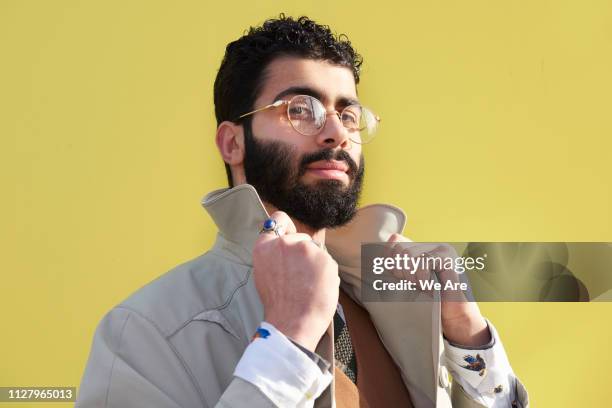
(270, 225)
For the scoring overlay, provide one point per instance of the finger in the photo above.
(297, 237)
(394, 238)
(284, 226)
(415, 250)
(397, 238)
(393, 245)
(284, 221)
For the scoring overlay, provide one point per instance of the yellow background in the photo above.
(496, 126)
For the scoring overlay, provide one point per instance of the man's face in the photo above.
(315, 179)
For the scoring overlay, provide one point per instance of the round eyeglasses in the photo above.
(307, 115)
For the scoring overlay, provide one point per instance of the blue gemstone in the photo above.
(269, 224)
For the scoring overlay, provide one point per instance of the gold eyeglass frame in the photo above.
(282, 102)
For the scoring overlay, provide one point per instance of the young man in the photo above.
(272, 315)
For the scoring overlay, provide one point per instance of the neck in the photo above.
(317, 235)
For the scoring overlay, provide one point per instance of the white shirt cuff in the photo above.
(484, 373)
(283, 372)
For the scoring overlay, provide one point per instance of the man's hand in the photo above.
(297, 282)
(462, 322)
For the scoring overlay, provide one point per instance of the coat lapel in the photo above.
(410, 331)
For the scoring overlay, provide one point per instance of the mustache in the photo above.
(327, 155)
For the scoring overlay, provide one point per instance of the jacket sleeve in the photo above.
(132, 364)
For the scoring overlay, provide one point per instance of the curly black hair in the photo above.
(240, 75)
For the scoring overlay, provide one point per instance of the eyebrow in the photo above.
(305, 90)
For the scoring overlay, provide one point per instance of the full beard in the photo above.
(275, 170)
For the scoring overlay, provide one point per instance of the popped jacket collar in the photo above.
(410, 331)
(239, 215)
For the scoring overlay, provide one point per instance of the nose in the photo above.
(334, 133)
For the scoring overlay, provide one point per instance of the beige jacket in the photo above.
(176, 341)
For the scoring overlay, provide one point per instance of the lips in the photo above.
(329, 169)
(329, 165)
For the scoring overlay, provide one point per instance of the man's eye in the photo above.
(349, 118)
(299, 111)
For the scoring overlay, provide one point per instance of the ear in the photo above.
(230, 142)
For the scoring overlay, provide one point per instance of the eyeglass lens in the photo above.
(308, 115)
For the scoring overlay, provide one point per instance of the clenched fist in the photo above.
(297, 282)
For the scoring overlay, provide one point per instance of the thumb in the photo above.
(391, 250)
(397, 238)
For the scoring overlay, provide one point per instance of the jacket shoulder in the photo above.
(204, 283)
